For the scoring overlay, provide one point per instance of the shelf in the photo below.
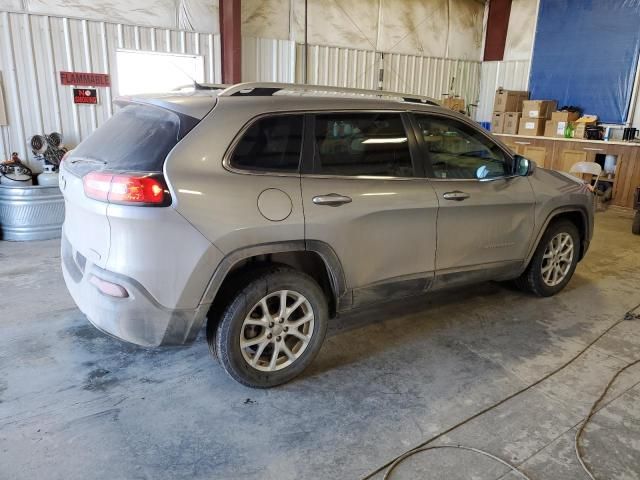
(579, 140)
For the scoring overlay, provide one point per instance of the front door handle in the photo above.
(331, 200)
(456, 195)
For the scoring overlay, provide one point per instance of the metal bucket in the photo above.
(30, 212)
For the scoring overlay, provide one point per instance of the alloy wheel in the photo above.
(277, 330)
(557, 259)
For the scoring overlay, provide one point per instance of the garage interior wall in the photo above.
(420, 44)
(35, 47)
(512, 72)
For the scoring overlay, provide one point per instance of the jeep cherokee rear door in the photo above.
(363, 195)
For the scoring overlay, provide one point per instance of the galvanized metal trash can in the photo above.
(30, 212)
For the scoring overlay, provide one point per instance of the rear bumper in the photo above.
(137, 319)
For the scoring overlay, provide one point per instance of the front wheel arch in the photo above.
(576, 215)
(532, 279)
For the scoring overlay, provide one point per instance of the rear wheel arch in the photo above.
(316, 259)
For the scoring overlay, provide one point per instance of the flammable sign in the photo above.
(87, 96)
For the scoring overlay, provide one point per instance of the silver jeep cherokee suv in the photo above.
(266, 209)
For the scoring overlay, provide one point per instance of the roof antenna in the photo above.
(196, 85)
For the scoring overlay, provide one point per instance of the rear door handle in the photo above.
(457, 195)
(331, 200)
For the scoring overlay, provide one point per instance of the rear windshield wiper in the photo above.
(87, 160)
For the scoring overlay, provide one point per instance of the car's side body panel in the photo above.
(493, 225)
(388, 230)
(557, 193)
(221, 204)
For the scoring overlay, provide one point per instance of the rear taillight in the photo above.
(147, 189)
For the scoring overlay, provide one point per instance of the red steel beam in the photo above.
(231, 40)
(497, 25)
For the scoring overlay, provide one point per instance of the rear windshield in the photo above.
(136, 138)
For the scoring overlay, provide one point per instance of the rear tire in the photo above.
(261, 343)
(554, 260)
(635, 227)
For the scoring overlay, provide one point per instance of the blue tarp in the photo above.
(586, 53)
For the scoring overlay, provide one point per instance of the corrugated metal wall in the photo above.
(432, 76)
(512, 75)
(338, 67)
(268, 60)
(35, 48)
(346, 67)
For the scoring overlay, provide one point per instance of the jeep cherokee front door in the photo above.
(486, 214)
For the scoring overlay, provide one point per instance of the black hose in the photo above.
(26, 170)
(392, 464)
(592, 412)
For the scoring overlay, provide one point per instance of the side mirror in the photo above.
(523, 167)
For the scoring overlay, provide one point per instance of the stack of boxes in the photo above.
(515, 114)
(507, 110)
(535, 114)
(557, 126)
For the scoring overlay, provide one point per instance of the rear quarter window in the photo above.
(270, 144)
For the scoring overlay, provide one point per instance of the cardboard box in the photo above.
(509, 100)
(580, 131)
(580, 128)
(555, 129)
(564, 116)
(531, 126)
(511, 122)
(453, 103)
(538, 108)
(497, 122)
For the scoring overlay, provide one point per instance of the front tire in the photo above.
(273, 328)
(554, 261)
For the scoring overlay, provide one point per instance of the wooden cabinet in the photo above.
(566, 155)
(538, 150)
(627, 178)
(537, 154)
(560, 154)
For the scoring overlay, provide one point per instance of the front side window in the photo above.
(367, 144)
(270, 144)
(458, 151)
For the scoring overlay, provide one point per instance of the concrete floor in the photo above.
(75, 404)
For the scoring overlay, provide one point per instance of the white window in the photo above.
(152, 72)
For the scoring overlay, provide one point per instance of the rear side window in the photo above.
(368, 144)
(270, 144)
(136, 138)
